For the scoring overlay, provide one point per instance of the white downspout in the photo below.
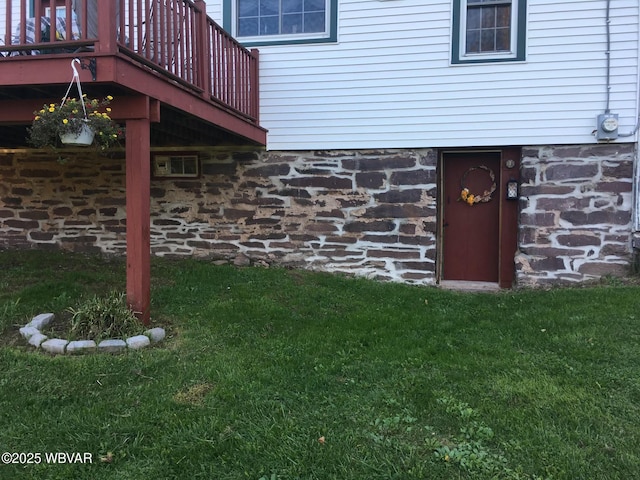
(635, 199)
(636, 166)
(635, 234)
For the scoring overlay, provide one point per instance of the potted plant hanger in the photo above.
(79, 121)
(76, 122)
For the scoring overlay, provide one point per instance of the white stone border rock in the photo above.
(32, 333)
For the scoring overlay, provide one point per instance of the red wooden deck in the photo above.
(204, 82)
(176, 77)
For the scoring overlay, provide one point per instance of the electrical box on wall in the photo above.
(607, 126)
(175, 165)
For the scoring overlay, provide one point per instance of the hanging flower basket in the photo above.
(75, 121)
(83, 138)
(66, 124)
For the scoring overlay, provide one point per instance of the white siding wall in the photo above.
(388, 82)
(15, 14)
(214, 10)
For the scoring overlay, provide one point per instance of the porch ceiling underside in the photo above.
(176, 129)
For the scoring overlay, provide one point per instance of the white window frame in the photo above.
(516, 51)
(326, 36)
(163, 165)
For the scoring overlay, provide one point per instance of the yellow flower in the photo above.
(65, 121)
(51, 109)
(470, 199)
(51, 105)
(37, 117)
(108, 109)
(464, 193)
(446, 458)
(109, 97)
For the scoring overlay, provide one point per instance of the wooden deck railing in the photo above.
(174, 37)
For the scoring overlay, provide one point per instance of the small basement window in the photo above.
(176, 165)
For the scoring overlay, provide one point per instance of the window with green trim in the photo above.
(488, 31)
(262, 22)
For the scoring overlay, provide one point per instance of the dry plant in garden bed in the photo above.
(96, 318)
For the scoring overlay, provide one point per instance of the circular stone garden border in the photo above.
(34, 336)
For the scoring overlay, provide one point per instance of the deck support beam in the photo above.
(138, 193)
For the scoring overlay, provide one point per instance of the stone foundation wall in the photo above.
(576, 213)
(370, 213)
(79, 205)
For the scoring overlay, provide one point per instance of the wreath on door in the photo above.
(471, 198)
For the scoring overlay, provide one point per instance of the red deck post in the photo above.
(107, 27)
(138, 186)
(202, 53)
(254, 85)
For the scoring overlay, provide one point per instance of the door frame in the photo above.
(508, 211)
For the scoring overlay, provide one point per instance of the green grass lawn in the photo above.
(284, 374)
